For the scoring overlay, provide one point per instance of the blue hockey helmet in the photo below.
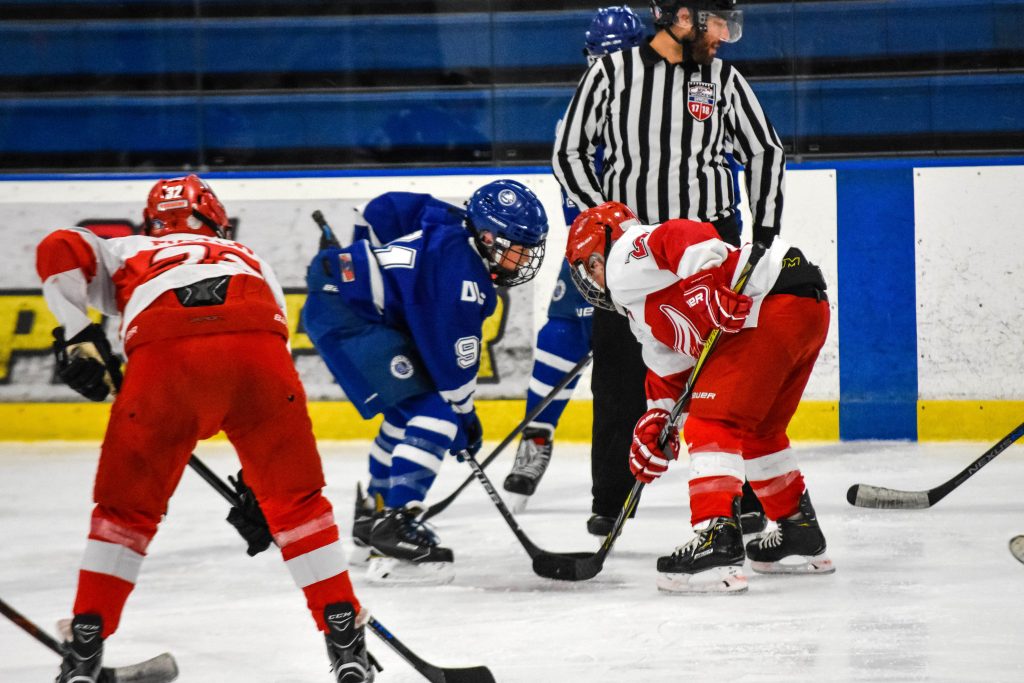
(613, 29)
(510, 225)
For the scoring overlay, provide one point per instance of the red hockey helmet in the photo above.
(590, 239)
(184, 205)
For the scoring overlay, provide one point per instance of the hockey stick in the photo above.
(565, 566)
(437, 674)
(159, 669)
(867, 496)
(592, 566)
(441, 505)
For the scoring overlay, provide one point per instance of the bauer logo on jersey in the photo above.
(345, 268)
(700, 99)
(401, 367)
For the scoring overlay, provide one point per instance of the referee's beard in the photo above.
(704, 49)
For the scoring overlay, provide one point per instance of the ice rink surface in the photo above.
(920, 595)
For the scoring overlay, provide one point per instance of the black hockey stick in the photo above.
(159, 669)
(591, 566)
(328, 234)
(867, 496)
(565, 566)
(435, 674)
(476, 674)
(440, 505)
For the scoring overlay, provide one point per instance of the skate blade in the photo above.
(715, 580)
(395, 572)
(516, 502)
(796, 564)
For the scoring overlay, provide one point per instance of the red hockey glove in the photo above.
(646, 460)
(709, 303)
(730, 310)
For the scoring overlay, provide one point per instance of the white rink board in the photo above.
(969, 264)
(274, 219)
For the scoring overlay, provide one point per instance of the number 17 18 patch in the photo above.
(700, 99)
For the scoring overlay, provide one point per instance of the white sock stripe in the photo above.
(716, 464)
(318, 565)
(715, 485)
(771, 465)
(552, 361)
(433, 424)
(542, 389)
(115, 533)
(774, 485)
(324, 521)
(112, 559)
(417, 456)
(391, 431)
(380, 455)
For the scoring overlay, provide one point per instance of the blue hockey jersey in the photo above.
(431, 283)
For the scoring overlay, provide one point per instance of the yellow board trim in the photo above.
(814, 421)
(967, 420)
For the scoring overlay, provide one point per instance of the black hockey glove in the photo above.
(86, 362)
(248, 518)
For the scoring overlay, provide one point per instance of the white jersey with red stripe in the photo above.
(125, 275)
(645, 265)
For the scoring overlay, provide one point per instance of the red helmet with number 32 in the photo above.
(590, 239)
(184, 205)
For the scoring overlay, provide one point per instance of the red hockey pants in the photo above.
(742, 404)
(177, 392)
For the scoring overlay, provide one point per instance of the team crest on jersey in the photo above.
(345, 267)
(401, 367)
(559, 291)
(700, 99)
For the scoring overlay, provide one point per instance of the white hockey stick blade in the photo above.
(867, 496)
(1017, 547)
(160, 669)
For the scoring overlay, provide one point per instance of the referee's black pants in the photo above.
(617, 382)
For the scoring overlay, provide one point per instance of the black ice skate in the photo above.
(752, 517)
(368, 509)
(84, 653)
(346, 645)
(532, 460)
(712, 562)
(405, 550)
(796, 546)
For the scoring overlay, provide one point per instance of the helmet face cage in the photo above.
(612, 29)
(525, 262)
(718, 16)
(518, 227)
(588, 288)
(184, 205)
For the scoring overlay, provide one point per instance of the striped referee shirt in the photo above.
(666, 129)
